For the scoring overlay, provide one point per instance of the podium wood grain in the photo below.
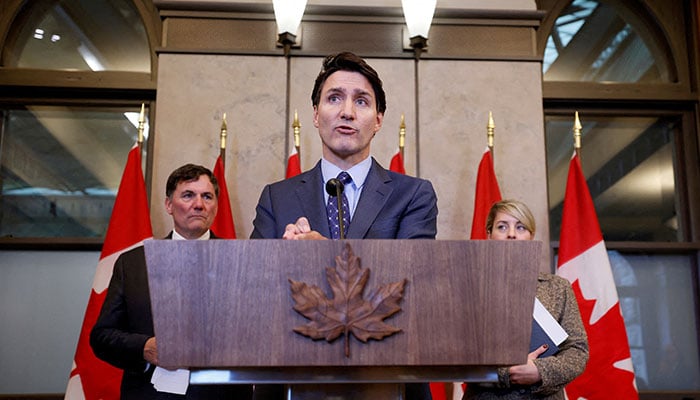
(227, 303)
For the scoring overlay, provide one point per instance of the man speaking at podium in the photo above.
(348, 108)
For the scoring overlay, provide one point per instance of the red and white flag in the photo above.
(583, 261)
(396, 164)
(486, 194)
(293, 164)
(223, 226)
(129, 225)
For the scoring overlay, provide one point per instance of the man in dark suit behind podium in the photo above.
(348, 105)
(123, 334)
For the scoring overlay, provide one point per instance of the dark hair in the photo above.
(347, 61)
(189, 172)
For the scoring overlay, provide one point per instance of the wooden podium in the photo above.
(224, 309)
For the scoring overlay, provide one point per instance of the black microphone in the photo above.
(334, 188)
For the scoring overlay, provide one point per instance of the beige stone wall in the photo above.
(455, 99)
(193, 93)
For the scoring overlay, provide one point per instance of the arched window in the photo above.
(624, 66)
(73, 76)
(595, 41)
(78, 35)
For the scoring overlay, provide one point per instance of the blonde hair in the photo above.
(514, 208)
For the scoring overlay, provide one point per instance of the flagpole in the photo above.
(490, 128)
(297, 135)
(222, 136)
(402, 135)
(142, 123)
(577, 135)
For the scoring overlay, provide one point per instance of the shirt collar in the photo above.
(205, 236)
(358, 172)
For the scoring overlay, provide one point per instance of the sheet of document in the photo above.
(550, 325)
(176, 381)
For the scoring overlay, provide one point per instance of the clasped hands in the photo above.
(301, 230)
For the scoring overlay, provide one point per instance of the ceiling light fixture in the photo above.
(419, 16)
(288, 14)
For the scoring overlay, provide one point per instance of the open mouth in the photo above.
(345, 129)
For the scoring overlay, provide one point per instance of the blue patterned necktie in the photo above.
(332, 208)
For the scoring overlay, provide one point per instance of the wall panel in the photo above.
(455, 99)
(193, 93)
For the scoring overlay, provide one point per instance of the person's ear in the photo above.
(378, 124)
(168, 205)
(316, 116)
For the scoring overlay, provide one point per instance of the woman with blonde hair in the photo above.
(539, 377)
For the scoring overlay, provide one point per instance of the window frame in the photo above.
(678, 98)
(29, 86)
(685, 146)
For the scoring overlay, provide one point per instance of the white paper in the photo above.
(550, 325)
(164, 380)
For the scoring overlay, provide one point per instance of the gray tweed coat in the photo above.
(556, 371)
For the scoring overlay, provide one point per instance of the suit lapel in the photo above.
(311, 200)
(373, 198)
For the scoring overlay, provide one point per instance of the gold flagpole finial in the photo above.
(490, 128)
(142, 123)
(223, 132)
(297, 131)
(577, 133)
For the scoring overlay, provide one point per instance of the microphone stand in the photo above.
(334, 188)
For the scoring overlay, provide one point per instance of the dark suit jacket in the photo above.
(124, 325)
(391, 206)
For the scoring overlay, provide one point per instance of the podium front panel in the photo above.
(227, 303)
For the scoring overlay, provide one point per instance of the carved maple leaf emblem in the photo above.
(348, 311)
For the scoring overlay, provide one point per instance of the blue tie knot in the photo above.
(345, 178)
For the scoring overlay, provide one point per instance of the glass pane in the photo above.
(656, 298)
(80, 35)
(61, 168)
(629, 165)
(590, 42)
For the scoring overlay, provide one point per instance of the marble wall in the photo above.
(194, 91)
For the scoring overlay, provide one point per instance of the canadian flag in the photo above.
(223, 226)
(396, 164)
(129, 225)
(293, 164)
(583, 261)
(486, 194)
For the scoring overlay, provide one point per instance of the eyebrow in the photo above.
(356, 92)
(190, 191)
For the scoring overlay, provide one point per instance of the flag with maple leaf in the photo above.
(129, 225)
(223, 225)
(396, 164)
(486, 194)
(583, 261)
(293, 164)
(329, 317)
